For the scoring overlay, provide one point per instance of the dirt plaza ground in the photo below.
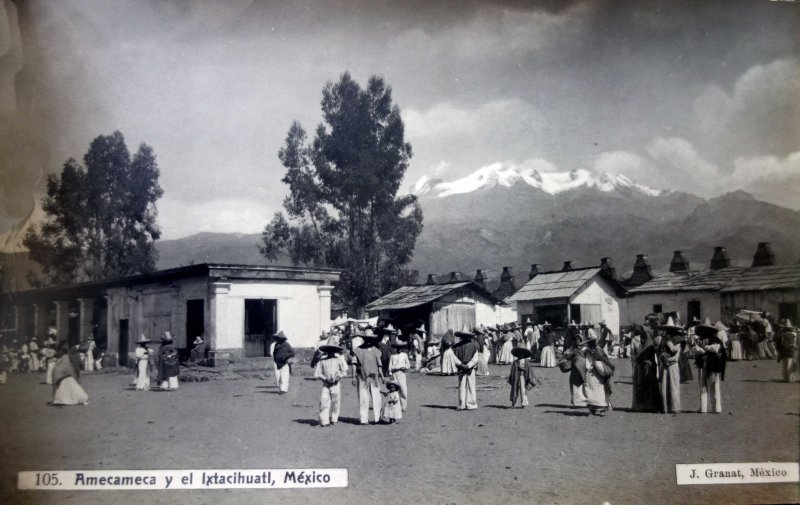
(546, 453)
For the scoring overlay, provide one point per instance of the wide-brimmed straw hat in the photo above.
(369, 336)
(421, 329)
(465, 333)
(521, 352)
(167, 337)
(330, 349)
(280, 336)
(671, 328)
(705, 330)
(197, 340)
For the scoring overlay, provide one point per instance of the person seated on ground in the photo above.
(198, 352)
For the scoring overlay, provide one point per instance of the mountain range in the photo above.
(506, 216)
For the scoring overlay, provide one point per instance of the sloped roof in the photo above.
(766, 277)
(407, 297)
(697, 280)
(552, 285)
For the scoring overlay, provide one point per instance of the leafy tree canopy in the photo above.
(101, 216)
(343, 210)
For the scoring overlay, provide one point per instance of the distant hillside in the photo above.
(210, 248)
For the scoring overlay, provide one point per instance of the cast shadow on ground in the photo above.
(558, 406)
(764, 380)
(499, 406)
(445, 407)
(269, 392)
(573, 414)
(315, 422)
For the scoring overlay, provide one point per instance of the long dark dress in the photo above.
(684, 367)
(167, 362)
(647, 395)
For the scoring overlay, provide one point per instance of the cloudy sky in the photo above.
(702, 97)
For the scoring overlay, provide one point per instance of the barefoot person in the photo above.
(398, 366)
(168, 368)
(330, 369)
(710, 357)
(142, 364)
(368, 376)
(281, 353)
(669, 379)
(466, 353)
(520, 377)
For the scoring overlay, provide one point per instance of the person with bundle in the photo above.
(66, 373)
(282, 354)
(787, 346)
(669, 373)
(520, 377)
(505, 356)
(710, 357)
(168, 367)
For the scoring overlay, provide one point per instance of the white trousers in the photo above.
(51, 363)
(330, 404)
(282, 378)
(789, 369)
(170, 383)
(365, 392)
(709, 381)
(466, 391)
(400, 377)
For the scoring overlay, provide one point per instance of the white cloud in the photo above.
(636, 167)
(683, 167)
(179, 218)
(770, 178)
(760, 115)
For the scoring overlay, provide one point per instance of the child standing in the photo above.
(392, 412)
(521, 376)
(398, 365)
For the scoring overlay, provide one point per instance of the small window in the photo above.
(657, 308)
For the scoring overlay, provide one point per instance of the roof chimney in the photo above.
(642, 266)
(432, 279)
(507, 286)
(764, 256)
(567, 266)
(479, 278)
(534, 271)
(608, 267)
(720, 259)
(679, 263)
(456, 277)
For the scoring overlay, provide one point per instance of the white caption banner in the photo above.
(94, 480)
(737, 473)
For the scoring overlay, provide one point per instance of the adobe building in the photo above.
(237, 308)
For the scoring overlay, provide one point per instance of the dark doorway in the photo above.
(74, 336)
(692, 310)
(260, 323)
(195, 321)
(123, 342)
(788, 311)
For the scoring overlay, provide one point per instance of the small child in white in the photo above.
(392, 411)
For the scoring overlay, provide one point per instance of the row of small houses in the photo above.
(237, 308)
(594, 294)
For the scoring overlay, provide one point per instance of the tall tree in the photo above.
(343, 209)
(101, 216)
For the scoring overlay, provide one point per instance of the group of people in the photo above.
(166, 362)
(58, 360)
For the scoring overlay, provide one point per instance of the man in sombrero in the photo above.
(368, 376)
(467, 357)
(282, 352)
(710, 357)
(330, 369)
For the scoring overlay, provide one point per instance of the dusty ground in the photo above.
(547, 453)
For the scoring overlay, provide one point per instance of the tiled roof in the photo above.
(766, 277)
(553, 285)
(407, 297)
(725, 280)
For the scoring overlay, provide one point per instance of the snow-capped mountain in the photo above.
(551, 182)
